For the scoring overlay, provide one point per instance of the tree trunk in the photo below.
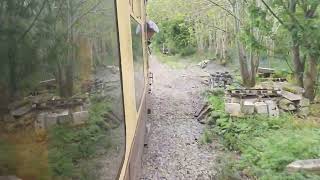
(310, 80)
(298, 64)
(244, 67)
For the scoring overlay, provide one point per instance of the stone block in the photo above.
(80, 118)
(290, 96)
(234, 109)
(273, 109)
(287, 105)
(261, 108)
(64, 117)
(235, 100)
(51, 120)
(304, 102)
(247, 107)
(304, 111)
(40, 122)
(310, 165)
(22, 110)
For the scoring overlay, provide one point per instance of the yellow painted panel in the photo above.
(123, 8)
(125, 11)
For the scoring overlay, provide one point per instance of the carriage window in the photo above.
(136, 30)
(61, 106)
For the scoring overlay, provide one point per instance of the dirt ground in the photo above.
(174, 150)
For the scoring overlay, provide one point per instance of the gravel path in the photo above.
(173, 150)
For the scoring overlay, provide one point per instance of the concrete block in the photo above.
(261, 108)
(247, 107)
(310, 165)
(45, 121)
(273, 109)
(234, 109)
(40, 123)
(64, 117)
(51, 120)
(235, 100)
(80, 118)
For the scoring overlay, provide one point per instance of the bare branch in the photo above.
(33, 22)
(273, 13)
(84, 14)
(223, 8)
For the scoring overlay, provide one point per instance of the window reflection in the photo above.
(138, 62)
(61, 107)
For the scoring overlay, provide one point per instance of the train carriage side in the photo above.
(73, 87)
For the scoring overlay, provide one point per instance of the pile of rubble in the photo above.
(271, 97)
(24, 112)
(220, 80)
(269, 102)
(241, 102)
(44, 111)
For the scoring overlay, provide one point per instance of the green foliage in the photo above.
(177, 35)
(217, 101)
(267, 145)
(281, 148)
(188, 51)
(69, 145)
(37, 38)
(207, 137)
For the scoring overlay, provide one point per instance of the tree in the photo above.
(300, 20)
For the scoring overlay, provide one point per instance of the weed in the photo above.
(267, 145)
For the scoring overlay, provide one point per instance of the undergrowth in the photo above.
(265, 146)
(72, 149)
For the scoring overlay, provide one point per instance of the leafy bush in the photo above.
(177, 35)
(188, 51)
(267, 145)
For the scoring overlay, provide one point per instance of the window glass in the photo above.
(137, 47)
(61, 106)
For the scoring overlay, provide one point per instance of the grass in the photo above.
(179, 62)
(266, 145)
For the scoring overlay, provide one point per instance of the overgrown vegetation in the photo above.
(265, 145)
(248, 31)
(72, 151)
(180, 31)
